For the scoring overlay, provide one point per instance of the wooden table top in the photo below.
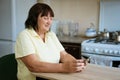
(92, 72)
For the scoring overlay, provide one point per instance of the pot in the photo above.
(118, 38)
(107, 35)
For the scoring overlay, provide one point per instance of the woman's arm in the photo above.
(69, 64)
(34, 65)
(66, 57)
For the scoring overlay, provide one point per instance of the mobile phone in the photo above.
(86, 59)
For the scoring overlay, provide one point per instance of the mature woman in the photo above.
(37, 49)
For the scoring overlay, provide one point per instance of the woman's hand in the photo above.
(74, 66)
(81, 64)
(70, 64)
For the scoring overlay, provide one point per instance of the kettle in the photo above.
(91, 32)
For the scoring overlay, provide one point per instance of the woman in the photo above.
(37, 49)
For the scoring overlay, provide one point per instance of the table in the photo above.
(92, 72)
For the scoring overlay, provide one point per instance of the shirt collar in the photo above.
(33, 32)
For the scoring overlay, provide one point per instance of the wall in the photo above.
(22, 8)
(82, 11)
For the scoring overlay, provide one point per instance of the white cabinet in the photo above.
(13, 14)
(109, 15)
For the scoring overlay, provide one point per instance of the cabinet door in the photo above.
(73, 49)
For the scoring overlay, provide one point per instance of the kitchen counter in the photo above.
(77, 39)
(92, 72)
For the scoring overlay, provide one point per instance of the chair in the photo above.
(8, 67)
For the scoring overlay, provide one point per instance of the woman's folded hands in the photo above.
(70, 64)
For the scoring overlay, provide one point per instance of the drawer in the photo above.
(73, 49)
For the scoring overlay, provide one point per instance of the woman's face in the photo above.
(44, 23)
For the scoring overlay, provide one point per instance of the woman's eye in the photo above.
(48, 18)
(51, 18)
(45, 18)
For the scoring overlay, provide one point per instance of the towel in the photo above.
(101, 60)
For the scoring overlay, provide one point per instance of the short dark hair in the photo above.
(35, 10)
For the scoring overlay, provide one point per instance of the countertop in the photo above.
(92, 72)
(77, 39)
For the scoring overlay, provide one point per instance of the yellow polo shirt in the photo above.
(29, 42)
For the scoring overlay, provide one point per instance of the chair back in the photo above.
(8, 67)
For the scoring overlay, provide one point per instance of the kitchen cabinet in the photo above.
(109, 15)
(72, 44)
(12, 17)
(73, 48)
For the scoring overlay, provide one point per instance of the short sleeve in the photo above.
(24, 45)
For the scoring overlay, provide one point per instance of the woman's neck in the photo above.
(42, 35)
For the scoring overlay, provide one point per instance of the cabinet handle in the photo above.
(74, 48)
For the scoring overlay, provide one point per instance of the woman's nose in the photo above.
(49, 21)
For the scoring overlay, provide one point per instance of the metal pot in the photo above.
(118, 38)
(105, 35)
(111, 35)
